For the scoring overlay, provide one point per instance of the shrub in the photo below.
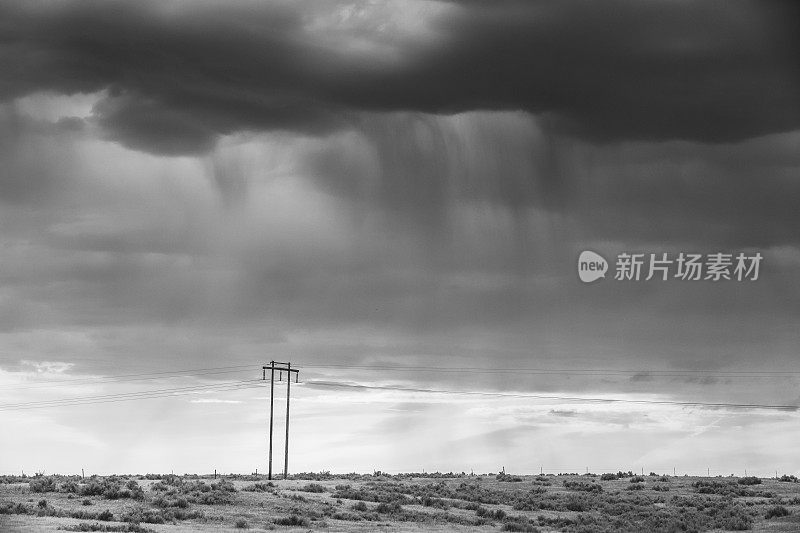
(242, 524)
(427, 501)
(608, 477)
(292, 520)
(158, 516)
(519, 523)
(127, 528)
(582, 486)
(260, 487)
(497, 514)
(351, 517)
(389, 507)
(70, 487)
(776, 511)
(216, 493)
(557, 522)
(10, 508)
(576, 504)
(93, 488)
(112, 488)
(749, 480)
(725, 488)
(172, 479)
(42, 484)
(313, 487)
(637, 479)
(140, 514)
(13, 479)
(223, 485)
(86, 501)
(359, 506)
(790, 478)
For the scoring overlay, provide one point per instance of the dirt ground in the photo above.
(356, 503)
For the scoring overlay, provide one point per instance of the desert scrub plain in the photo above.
(611, 502)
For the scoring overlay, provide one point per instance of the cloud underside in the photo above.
(178, 75)
(405, 182)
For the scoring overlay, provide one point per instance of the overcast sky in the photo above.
(402, 184)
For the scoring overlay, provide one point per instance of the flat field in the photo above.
(611, 502)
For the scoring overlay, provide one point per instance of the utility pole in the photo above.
(280, 367)
(286, 452)
(271, 391)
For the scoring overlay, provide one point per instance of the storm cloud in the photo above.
(178, 75)
(404, 184)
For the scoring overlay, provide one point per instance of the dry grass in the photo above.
(353, 502)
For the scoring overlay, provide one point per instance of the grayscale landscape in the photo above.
(245, 239)
(609, 502)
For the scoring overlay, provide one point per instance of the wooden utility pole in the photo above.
(271, 392)
(286, 451)
(280, 367)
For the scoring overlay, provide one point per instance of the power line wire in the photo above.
(169, 389)
(143, 397)
(119, 377)
(468, 370)
(222, 386)
(79, 400)
(555, 397)
(547, 371)
(163, 395)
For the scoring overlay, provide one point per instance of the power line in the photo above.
(571, 371)
(114, 400)
(157, 393)
(90, 381)
(119, 377)
(459, 370)
(162, 395)
(555, 397)
(170, 389)
(224, 386)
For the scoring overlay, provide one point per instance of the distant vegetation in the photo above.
(572, 503)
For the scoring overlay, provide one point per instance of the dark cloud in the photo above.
(424, 168)
(404, 187)
(184, 73)
(29, 151)
(405, 223)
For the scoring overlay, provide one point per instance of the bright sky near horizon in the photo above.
(393, 196)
